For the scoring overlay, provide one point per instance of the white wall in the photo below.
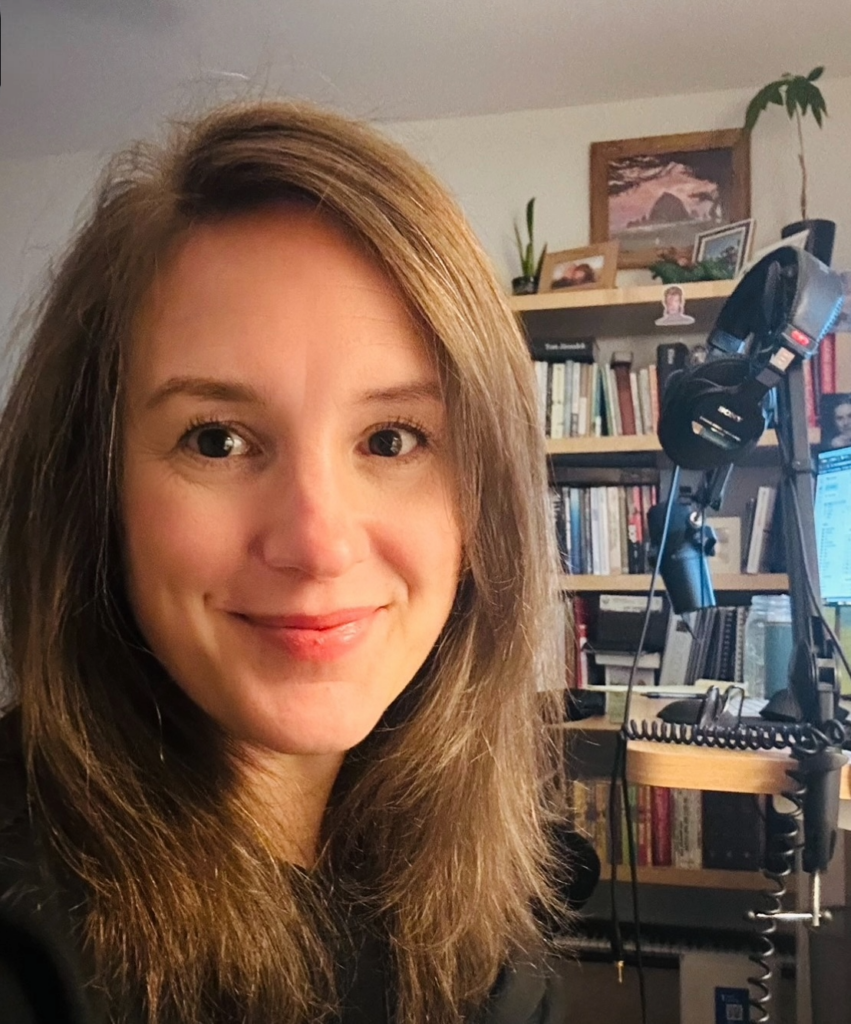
(494, 164)
(39, 200)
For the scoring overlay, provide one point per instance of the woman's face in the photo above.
(292, 542)
(842, 418)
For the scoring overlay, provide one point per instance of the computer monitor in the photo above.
(833, 525)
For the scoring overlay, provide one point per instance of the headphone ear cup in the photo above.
(705, 387)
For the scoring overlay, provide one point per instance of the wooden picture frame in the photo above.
(591, 266)
(655, 194)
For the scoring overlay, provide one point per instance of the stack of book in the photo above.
(673, 827)
(680, 650)
(579, 396)
(601, 530)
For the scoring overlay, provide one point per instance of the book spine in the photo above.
(636, 402)
(660, 825)
(624, 397)
(557, 401)
(613, 529)
(827, 364)
(653, 377)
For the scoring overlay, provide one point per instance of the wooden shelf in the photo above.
(696, 878)
(763, 582)
(638, 295)
(628, 443)
(727, 771)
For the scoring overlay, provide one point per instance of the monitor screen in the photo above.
(833, 525)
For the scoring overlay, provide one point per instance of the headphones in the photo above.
(713, 414)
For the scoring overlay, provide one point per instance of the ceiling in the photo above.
(87, 74)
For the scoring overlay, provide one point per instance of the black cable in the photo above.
(619, 778)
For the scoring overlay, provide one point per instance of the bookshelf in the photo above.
(625, 318)
(728, 771)
(764, 582)
(635, 444)
(688, 878)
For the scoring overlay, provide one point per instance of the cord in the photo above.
(618, 781)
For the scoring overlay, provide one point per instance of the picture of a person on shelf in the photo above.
(573, 275)
(674, 308)
(835, 416)
(277, 602)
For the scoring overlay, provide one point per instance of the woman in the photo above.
(277, 576)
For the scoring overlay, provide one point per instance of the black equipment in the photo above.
(713, 414)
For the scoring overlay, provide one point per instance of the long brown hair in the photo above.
(435, 832)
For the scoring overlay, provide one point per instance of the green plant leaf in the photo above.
(791, 99)
(519, 243)
(530, 217)
(770, 93)
(815, 74)
(540, 263)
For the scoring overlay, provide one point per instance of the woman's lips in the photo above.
(316, 637)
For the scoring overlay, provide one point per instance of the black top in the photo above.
(41, 970)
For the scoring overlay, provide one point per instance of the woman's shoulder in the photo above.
(527, 992)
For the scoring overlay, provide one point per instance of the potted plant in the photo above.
(530, 268)
(799, 95)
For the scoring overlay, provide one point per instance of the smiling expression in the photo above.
(291, 535)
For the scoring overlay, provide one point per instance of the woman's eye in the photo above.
(390, 442)
(216, 442)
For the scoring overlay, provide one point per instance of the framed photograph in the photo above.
(728, 551)
(730, 244)
(835, 420)
(593, 266)
(658, 193)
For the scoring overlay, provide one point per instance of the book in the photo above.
(648, 659)
(620, 619)
(562, 349)
(661, 813)
(687, 830)
(732, 831)
(557, 400)
(621, 362)
(671, 357)
(763, 512)
(636, 402)
(827, 364)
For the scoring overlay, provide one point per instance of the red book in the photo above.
(644, 856)
(809, 395)
(661, 822)
(621, 362)
(827, 364)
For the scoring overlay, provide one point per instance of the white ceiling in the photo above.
(87, 74)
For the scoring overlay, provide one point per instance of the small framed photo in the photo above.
(593, 266)
(730, 244)
(727, 559)
(835, 420)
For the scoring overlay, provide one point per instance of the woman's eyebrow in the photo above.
(215, 390)
(408, 392)
(205, 388)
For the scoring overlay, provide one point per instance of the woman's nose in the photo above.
(315, 517)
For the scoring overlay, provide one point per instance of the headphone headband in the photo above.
(712, 414)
